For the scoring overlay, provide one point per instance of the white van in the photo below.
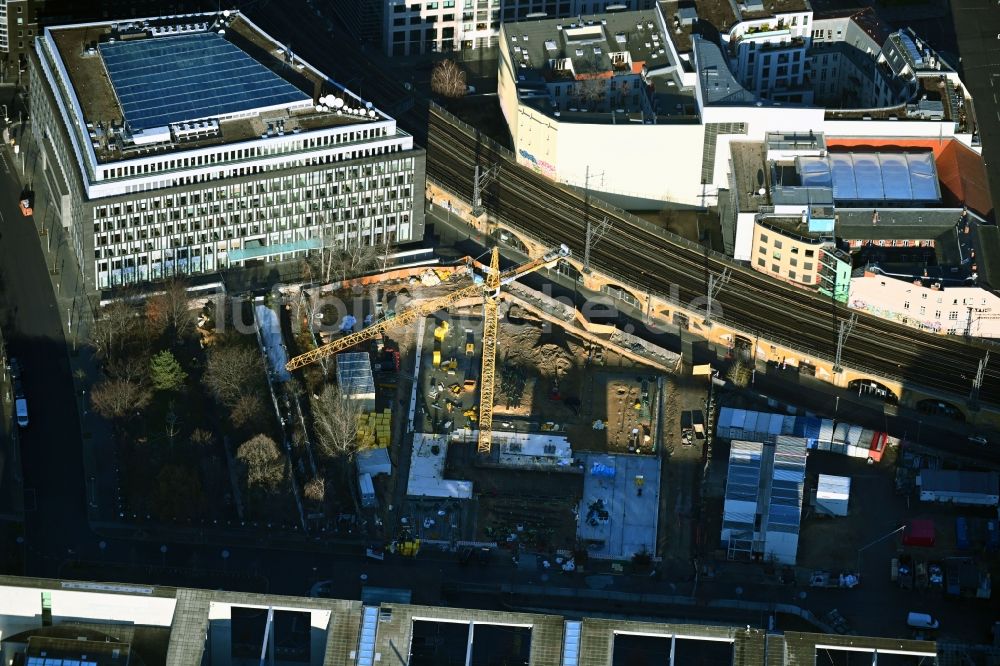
(921, 621)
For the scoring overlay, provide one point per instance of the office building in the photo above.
(60, 622)
(187, 145)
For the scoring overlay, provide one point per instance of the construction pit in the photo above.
(560, 401)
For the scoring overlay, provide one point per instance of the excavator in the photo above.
(489, 290)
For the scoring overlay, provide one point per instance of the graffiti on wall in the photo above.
(539, 166)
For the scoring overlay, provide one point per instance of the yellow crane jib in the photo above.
(404, 318)
(489, 289)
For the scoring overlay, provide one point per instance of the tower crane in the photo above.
(489, 289)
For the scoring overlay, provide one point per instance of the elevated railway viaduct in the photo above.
(666, 277)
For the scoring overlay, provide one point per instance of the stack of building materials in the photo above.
(375, 429)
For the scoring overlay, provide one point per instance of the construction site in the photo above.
(495, 417)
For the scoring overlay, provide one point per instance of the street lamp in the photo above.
(876, 541)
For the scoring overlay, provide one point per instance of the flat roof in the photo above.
(751, 174)
(427, 464)
(620, 505)
(172, 79)
(583, 49)
(167, 71)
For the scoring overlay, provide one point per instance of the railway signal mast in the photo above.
(846, 326)
(593, 236)
(481, 181)
(978, 381)
(715, 285)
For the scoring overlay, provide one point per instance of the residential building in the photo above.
(417, 27)
(700, 77)
(49, 622)
(928, 305)
(187, 145)
(18, 29)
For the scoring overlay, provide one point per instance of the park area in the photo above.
(184, 391)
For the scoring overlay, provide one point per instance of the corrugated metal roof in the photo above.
(960, 481)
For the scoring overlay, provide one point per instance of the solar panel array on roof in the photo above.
(166, 80)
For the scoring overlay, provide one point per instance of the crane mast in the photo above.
(487, 378)
(490, 291)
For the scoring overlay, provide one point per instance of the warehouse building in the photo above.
(188, 145)
(959, 487)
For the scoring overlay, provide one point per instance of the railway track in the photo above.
(644, 256)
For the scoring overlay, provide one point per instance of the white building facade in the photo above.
(262, 182)
(442, 26)
(952, 310)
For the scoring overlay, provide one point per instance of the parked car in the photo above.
(921, 621)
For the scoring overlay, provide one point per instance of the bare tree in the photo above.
(169, 310)
(246, 411)
(739, 374)
(262, 460)
(448, 79)
(233, 370)
(335, 419)
(118, 397)
(314, 490)
(591, 92)
(114, 328)
(201, 438)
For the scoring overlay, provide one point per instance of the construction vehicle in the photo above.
(470, 413)
(489, 290)
(470, 343)
(441, 331)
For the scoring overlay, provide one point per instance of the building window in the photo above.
(906, 305)
(791, 275)
(807, 278)
(763, 238)
(937, 314)
(923, 310)
(807, 266)
(776, 255)
(777, 244)
(793, 261)
(809, 253)
(762, 250)
(953, 316)
(761, 262)
(775, 268)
